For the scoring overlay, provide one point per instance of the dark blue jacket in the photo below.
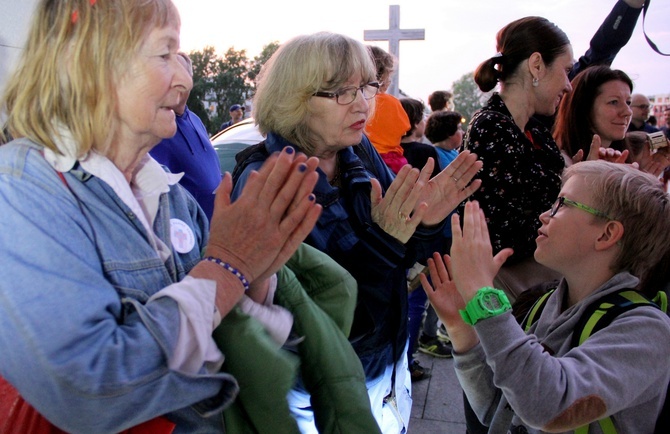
(346, 233)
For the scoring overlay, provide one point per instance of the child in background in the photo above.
(443, 130)
(389, 122)
(422, 331)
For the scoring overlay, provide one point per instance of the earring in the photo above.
(535, 81)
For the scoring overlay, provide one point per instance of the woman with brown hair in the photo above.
(522, 164)
(599, 105)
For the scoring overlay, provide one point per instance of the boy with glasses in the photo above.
(608, 231)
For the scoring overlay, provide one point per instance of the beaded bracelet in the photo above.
(229, 268)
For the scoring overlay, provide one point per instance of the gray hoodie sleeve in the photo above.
(554, 387)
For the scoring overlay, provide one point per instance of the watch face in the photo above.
(491, 302)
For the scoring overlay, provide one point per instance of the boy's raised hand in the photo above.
(473, 265)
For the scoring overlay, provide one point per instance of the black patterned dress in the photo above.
(521, 176)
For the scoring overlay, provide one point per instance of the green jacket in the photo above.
(321, 295)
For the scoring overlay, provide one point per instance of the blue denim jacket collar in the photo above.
(94, 254)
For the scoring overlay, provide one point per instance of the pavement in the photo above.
(438, 400)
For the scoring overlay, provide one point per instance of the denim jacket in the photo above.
(76, 330)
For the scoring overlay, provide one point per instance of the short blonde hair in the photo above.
(76, 54)
(302, 66)
(637, 200)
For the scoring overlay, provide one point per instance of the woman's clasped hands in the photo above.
(413, 198)
(276, 211)
(597, 152)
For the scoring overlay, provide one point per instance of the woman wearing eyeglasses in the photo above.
(315, 94)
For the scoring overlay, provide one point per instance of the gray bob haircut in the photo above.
(301, 66)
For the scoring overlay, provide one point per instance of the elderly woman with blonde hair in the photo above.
(112, 280)
(315, 95)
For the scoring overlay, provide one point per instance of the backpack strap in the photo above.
(606, 425)
(246, 156)
(661, 300)
(536, 311)
(599, 315)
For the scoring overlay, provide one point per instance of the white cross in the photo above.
(394, 34)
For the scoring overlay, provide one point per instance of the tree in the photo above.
(219, 82)
(259, 61)
(231, 84)
(467, 96)
(204, 67)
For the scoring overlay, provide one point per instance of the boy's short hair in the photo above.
(414, 109)
(439, 100)
(442, 125)
(637, 200)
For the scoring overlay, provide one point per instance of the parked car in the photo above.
(232, 140)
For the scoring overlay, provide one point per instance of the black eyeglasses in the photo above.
(643, 106)
(347, 95)
(564, 201)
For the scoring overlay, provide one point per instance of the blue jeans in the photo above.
(417, 306)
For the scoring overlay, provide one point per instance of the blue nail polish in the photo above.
(289, 150)
(311, 198)
(302, 167)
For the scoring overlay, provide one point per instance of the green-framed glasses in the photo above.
(564, 201)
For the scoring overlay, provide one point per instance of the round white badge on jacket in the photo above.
(182, 236)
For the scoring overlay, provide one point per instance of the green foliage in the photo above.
(204, 67)
(467, 96)
(260, 60)
(221, 81)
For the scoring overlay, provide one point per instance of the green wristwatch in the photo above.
(487, 302)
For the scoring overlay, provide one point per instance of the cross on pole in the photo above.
(394, 34)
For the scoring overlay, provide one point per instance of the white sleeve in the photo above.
(276, 320)
(198, 317)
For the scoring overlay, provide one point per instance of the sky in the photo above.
(459, 34)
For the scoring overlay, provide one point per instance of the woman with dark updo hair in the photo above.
(522, 164)
(521, 176)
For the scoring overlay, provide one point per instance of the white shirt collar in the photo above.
(142, 194)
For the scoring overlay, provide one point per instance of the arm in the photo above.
(474, 375)
(67, 336)
(612, 35)
(270, 218)
(585, 384)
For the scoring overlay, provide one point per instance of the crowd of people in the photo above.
(141, 290)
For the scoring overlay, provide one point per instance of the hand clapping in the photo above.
(414, 199)
(276, 210)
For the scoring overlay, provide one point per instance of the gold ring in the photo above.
(454, 178)
(402, 217)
